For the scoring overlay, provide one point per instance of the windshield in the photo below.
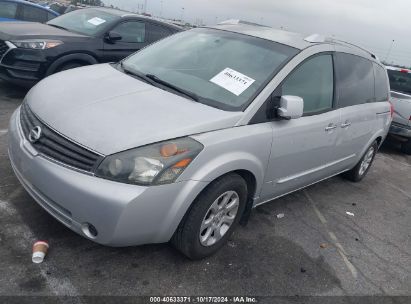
(223, 69)
(400, 81)
(84, 21)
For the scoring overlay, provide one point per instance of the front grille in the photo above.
(55, 146)
(3, 48)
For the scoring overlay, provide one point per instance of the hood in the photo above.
(108, 111)
(32, 30)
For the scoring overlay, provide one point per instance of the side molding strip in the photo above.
(304, 173)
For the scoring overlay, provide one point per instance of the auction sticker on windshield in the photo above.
(232, 81)
(96, 21)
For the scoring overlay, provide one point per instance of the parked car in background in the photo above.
(400, 81)
(18, 10)
(180, 140)
(32, 51)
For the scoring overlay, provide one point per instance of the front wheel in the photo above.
(212, 218)
(357, 173)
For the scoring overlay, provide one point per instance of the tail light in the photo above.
(392, 110)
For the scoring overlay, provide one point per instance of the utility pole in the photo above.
(182, 13)
(389, 50)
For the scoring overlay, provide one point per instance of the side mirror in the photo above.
(291, 107)
(113, 37)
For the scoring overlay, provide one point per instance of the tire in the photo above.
(204, 211)
(69, 66)
(406, 147)
(357, 173)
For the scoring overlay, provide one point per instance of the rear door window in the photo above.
(8, 10)
(382, 89)
(34, 14)
(131, 31)
(50, 16)
(355, 79)
(314, 82)
(157, 32)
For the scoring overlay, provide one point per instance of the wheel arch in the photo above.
(252, 185)
(74, 57)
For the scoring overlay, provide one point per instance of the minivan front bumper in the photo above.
(122, 214)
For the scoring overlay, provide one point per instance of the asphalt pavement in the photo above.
(315, 249)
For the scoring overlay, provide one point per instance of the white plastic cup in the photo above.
(39, 251)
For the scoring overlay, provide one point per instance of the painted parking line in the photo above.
(399, 189)
(399, 162)
(3, 131)
(333, 237)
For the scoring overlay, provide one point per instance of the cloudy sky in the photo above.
(373, 24)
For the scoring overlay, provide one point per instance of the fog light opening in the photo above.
(89, 230)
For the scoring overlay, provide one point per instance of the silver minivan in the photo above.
(179, 141)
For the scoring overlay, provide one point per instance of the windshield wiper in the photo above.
(137, 74)
(191, 95)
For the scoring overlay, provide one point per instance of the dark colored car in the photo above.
(18, 10)
(32, 51)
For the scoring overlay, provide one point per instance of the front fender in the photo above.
(238, 148)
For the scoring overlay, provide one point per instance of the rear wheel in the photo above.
(406, 147)
(357, 173)
(212, 218)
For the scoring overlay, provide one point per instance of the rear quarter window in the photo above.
(382, 89)
(355, 80)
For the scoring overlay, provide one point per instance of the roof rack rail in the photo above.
(359, 47)
(317, 38)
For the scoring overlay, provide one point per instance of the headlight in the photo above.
(37, 44)
(155, 164)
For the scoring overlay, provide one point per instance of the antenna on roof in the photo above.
(230, 22)
(238, 21)
(317, 38)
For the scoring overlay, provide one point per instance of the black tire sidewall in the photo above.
(194, 249)
(69, 66)
(359, 177)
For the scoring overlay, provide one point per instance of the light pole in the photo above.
(182, 14)
(389, 50)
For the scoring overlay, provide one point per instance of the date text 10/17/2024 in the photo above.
(203, 299)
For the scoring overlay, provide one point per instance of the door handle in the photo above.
(346, 124)
(330, 127)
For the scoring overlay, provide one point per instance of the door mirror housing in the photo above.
(291, 107)
(113, 37)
